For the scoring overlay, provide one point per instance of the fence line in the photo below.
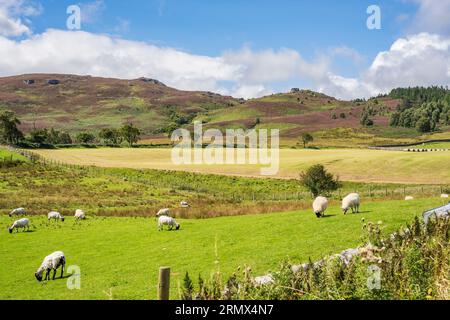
(368, 192)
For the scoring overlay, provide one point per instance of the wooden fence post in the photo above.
(164, 283)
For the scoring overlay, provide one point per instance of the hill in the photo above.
(76, 103)
(83, 103)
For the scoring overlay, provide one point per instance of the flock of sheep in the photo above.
(352, 201)
(54, 260)
(57, 259)
(25, 223)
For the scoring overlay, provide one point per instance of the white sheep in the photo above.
(20, 224)
(319, 206)
(80, 215)
(167, 221)
(184, 204)
(18, 212)
(163, 212)
(409, 198)
(352, 201)
(55, 216)
(444, 196)
(51, 262)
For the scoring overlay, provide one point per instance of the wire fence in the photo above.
(366, 191)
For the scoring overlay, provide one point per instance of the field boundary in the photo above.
(385, 193)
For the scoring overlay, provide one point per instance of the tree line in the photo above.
(11, 134)
(425, 109)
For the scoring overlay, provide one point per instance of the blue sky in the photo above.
(327, 35)
(210, 27)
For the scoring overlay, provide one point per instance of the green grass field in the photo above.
(433, 145)
(7, 155)
(360, 165)
(119, 257)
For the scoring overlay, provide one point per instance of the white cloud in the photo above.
(99, 55)
(12, 13)
(422, 59)
(250, 91)
(417, 60)
(432, 16)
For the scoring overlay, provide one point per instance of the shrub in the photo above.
(412, 265)
(318, 181)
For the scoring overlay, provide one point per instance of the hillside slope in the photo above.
(76, 103)
(79, 103)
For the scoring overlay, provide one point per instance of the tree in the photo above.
(9, 132)
(65, 138)
(320, 182)
(423, 125)
(306, 138)
(108, 136)
(366, 121)
(130, 133)
(39, 136)
(85, 138)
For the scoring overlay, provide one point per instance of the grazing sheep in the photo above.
(20, 224)
(319, 206)
(51, 262)
(444, 196)
(79, 215)
(55, 216)
(167, 221)
(18, 212)
(409, 198)
(163, 212)
(352, 201)
(184, 204)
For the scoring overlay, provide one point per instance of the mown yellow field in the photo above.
(360, 165)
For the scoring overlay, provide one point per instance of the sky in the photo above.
(243, 48)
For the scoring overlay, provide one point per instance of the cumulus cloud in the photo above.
(422, 59)
(417, 60)
(100, 55)
(432, 16)
(12, 13)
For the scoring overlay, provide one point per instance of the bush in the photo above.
(413, 264)
(318, 181)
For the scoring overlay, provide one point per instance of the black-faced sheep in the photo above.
(167, 221)
(18, 212)
(55, 216)
(163, 212)
(80, 215)
(20, 224)
(51, 262)
(319, 206)
(352, 201)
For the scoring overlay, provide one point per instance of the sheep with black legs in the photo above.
(320, 205)
(51, 262)
(80, 215)
(184, 204)
(55, 216)
(352, 201)
(20, 224)
(167, 221)
(18, 212)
